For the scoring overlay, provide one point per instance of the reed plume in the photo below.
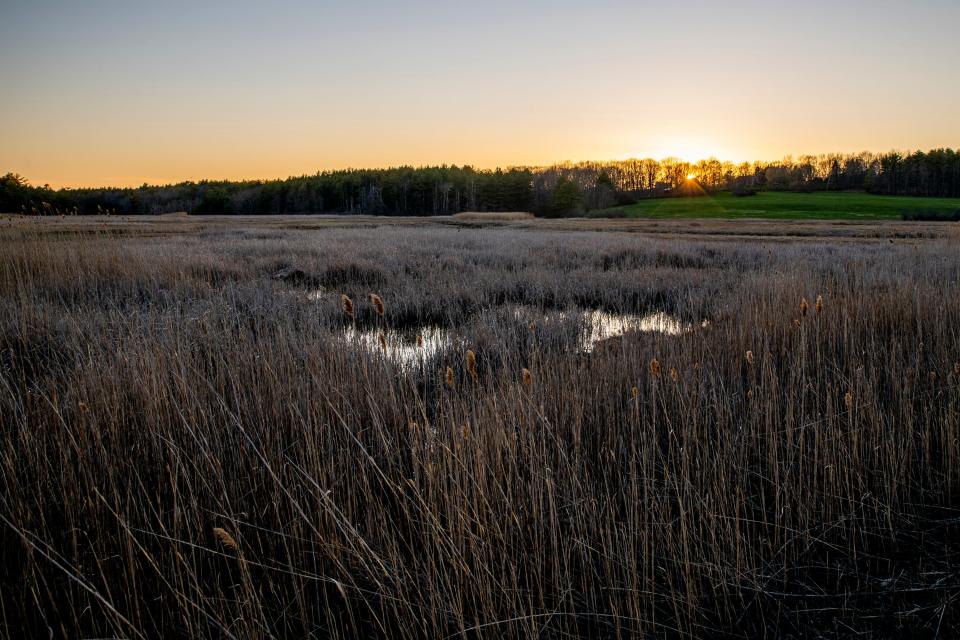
(819, 306)
(956, 368)
(378, 306)
(848, 400)
(225, 538)
(804, 306)
(419, 341)
(749, 358)
(347, 305)
(449, 377)
(382, 339)
(655, 368)
(674, 374)
(527, 378)
(472, 364)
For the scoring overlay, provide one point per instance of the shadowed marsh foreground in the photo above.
(192, 448)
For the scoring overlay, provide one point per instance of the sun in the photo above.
(691, 176)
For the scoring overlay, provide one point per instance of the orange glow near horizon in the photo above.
(178, 152)
(116, 93)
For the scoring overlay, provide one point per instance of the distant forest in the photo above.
(558, 190)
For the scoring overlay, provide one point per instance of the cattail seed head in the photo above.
(449, 377)
(377, 303)
(472, 364)
(848, 400)
(527, 378)
(419, 342)
(749, 358)
(655, 368)
(819, 305)
(804, 306)
(674, 374)
(347, 304)
(225, 538)
(634, 393)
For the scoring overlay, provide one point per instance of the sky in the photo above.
(109, 92)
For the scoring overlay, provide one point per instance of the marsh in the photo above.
(195, 447)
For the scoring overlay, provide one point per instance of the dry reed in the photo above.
(378, 306)
(471, 361)
(449, 377)
(225, 538)
(155, 388)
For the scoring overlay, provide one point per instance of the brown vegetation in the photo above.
(191, 448)
(493, 216)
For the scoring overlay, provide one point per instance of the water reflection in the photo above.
(597, 326)
(408, 349)
(318, 294)
(601, 325)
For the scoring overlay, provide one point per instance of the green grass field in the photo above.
(784, 206)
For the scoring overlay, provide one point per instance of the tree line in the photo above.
(556, 190)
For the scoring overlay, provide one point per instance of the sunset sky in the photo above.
(105, 92)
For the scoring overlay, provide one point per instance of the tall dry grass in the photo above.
(493, 216)
(189, 449)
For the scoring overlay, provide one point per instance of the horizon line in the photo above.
(147, 183)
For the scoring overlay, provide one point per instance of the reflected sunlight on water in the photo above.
(411, 348)
(406, 348)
